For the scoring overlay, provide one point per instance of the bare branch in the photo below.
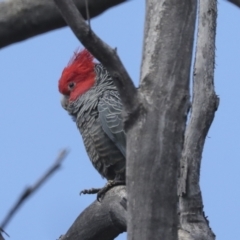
(102, 52)
(235, 2)
(32, 189)
(21, 19)
(103, 220)
(205, 103)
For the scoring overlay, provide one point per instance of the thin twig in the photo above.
(102, 52)
(30, 190)
(1, 230)
(1, 236)
(88, 15)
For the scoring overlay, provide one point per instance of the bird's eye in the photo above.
(71, 85)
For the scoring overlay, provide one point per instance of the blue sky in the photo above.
(34, 127)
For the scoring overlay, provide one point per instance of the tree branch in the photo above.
(205, 103)
(235, 2)
(22, 19)
(103, 220)
(102, 52)
(30, 190)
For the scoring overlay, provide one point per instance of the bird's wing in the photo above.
(110, 114)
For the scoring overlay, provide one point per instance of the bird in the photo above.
(91, 98)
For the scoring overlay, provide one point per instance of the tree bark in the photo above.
(103, 220)
(193, 222)
(154, 142)
(22, 19)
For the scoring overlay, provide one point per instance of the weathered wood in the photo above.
(193, 223)
(103, 220)
(154, 142)
(22, 19)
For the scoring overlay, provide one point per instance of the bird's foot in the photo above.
(110, 184)
(101, 191)
(90, 191)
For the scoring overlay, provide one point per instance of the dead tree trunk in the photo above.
(155, 139)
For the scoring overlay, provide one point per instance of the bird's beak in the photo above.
(64, 101)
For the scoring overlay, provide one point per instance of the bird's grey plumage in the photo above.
(98, 116)
(110, 108)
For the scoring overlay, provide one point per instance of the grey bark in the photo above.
(103, 220)
(193, 222)
(22, 19)
(155, 141)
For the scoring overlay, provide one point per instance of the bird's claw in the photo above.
(101, 191)
(90, 191)
(110, 184)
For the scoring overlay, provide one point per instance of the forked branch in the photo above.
(205, 103)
